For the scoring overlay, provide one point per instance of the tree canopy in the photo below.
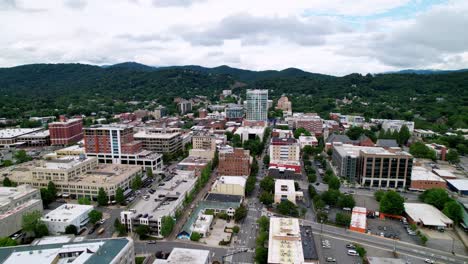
(392, 203)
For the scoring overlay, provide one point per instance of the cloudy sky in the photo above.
(326, 36)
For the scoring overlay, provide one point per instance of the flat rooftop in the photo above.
(158, 135)
(225, 198)
(36, 134)
(285, 242)
(239, 180)
(186, 256)
(444, 173)
(71, 120)
(426, 214)
(192, 160)
(64, 163)
(308, 243)
(423, 174)
(8, 194)
(288, 183)
(8, 133)
(351, 150)
(92, 252)
(67, 212)
(359, 218)
(167, 197)
(460, 184)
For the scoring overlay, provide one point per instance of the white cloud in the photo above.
(262, 34)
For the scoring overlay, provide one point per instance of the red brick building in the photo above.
(66, 132)
(234, 162)
(111, 139)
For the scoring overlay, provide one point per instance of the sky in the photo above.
(336, 37)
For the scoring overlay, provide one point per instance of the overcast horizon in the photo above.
(329, 37)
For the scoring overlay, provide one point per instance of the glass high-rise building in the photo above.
(257, 105)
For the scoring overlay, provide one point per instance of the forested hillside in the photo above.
(432, 100)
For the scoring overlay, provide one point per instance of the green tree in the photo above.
(342, 219)
(236, 141)
(84, 200)
(453, 210)
(71, 229)
(420, 150)
(266, 160)
(263, 223)
(312, 191)
(94, 216)
(334, 183)
(137, 183)
(268, 184)
(331, 196)
(7, 182)
(266, 198)
(7, 242)
(354, 132)
(46, 197)
(286, 207)
(32, 224)
(52, 189)
(360, 250)
(195, 236)
(346, 201)
(102, 198)
(119, 227)
(318, 202)
(378, 195)
(7, 163)
(312, 177)
(453, 156)
(236, 229)
(437, 197)
(142, 230)
(261, 255)
(403, 135)
(240, 213)
(21, 156)
(167, 224)
(301, 131)
(149, 173)
(250, 185)
(215, 161)
(119, 196)
(392, 203)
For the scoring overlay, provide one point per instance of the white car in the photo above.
(429, 261)
(352, 252)
(102, 221)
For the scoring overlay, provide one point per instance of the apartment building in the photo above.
(257, 105)
(58, 219)
(76, 176)
(14, 203)
(159, 112)
(284, 149)
(203, 145)
(230, 185)
(115, 144)
(160, 140)
(234, 162)
(234, 112)
(184, 106)
(66, 132)
(373, 166)
(284, 104)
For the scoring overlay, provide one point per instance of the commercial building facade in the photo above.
(257, 105)
(160, 140)
(285, 190)
(235, 162)
(16, 137)
(284, 149)
(231, 185)
(115, 144)
(15, 202)
(66, 132)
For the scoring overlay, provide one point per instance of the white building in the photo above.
(202, 224)
(427, 215)
(308, 141)
(395, 125)
(109, 251)
(285, 190)
(285, 241)
(65, 215)
(257, 105)
(247, 133)
(287, 149)
(232, 185)
(186, 256)
(14, 203)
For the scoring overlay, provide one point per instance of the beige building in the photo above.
(285, 190)
(284, 149)
(204, 145)
(160, 140)
(76, 176)
(232, 185)
(14, 203)
(285, 241)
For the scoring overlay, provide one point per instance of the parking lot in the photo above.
(390, 228)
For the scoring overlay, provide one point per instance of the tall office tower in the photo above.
(257, 105)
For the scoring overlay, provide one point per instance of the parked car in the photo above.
(429, 261)
(330, 259)
(352, 252)
(351, 246)
(152, 242)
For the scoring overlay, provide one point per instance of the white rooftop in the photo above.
(459, 184)
(285, 244)
(288, 183)
(64, 163)
(67, 212)
(444, 173)
(423, 174)
(186, 256)
(9, 194)
(16, 132)
(359, 218)
(239, 180)
(426, 214)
